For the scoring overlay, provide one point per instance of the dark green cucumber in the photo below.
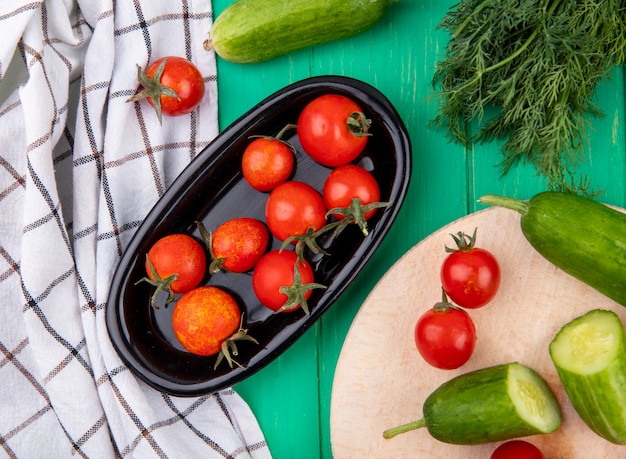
(583, 237)
(590, 357)
(250, 31)
(492, 404)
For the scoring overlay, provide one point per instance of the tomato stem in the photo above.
(229, 346)
(278, 137)
(153, 89)
(464, 242)
(309, 239)
(217, 263)
(444, 305)
(359, 124)
(296, 293)
(355, 213)
(161, 284)
(285, 129)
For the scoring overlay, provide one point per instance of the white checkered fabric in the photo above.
(79, 169)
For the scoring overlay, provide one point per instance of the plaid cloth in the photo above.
(79, 169)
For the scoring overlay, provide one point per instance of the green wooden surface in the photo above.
(291, 397)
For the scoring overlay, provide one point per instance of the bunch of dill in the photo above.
(537, 63)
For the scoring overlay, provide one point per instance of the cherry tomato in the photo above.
(204, 318)
(274, 272)
(237, 245)
(517, 449)
(445, 336)
(266, 163)
(470, 275)
(175, 263)
(207, 317)
(173, 86)
(332, 130)
(292, 208)
(347, 182)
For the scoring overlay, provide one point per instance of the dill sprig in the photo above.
(526, 72)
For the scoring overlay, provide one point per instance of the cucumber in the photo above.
(590, 358)
(581, 236)
(249, 31)
(491, 404)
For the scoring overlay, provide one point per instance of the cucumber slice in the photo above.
(533, 401)
(491, 404)
(590, 358)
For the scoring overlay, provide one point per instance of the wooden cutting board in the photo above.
(381, 380)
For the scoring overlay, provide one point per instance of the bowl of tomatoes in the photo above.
(305, 241)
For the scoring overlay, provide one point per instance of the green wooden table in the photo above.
(291, 397)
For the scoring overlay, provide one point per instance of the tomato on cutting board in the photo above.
(470, 275)
(445, 336)
(517, 449)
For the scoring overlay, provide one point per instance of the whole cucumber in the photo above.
(491, 404)
(583, 237)
(589, 354)
(249, 31)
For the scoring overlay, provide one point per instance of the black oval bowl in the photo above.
(212, 190)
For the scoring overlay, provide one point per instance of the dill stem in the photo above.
(461, 26)
(499, 64)
(510, 57)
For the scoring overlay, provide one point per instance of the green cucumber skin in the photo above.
(475, 408)
(583, 237)
(600, 398)
(250, 31)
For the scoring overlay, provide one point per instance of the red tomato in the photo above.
(274, 273)
(266, 163)
(179, 264)
(517, 449)
(292, 208)
(204, 318)
(347, 182)
(470, 275)
(445, 336)
(332, 130)
(207, 321)
(237, 244)
(173, 86)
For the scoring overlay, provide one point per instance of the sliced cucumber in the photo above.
(492, 404)
(590, 357)
(532, 400)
